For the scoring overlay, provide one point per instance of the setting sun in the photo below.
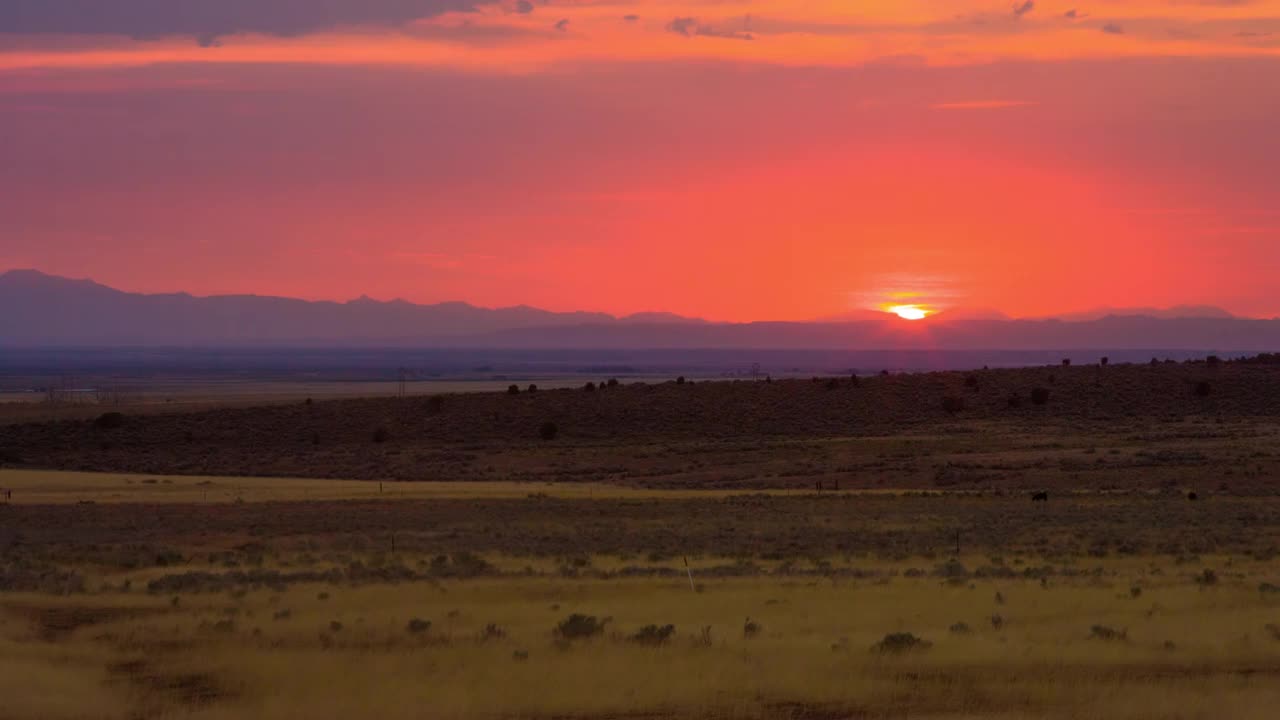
(909, 312)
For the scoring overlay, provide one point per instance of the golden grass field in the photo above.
(317, 650)
(152, 615)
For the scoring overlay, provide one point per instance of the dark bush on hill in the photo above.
(109, 421)
(513, 390)
(1040, 396)
(1204, 389)
(952, 404)
(381, 435)
(548, 431)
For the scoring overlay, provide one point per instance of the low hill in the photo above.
(744, 430)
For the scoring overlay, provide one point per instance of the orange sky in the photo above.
(734, 160)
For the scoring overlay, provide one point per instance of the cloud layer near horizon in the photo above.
(518, 35)
(753, 159)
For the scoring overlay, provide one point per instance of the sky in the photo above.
(728, 159)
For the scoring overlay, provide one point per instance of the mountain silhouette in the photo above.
(41, 310)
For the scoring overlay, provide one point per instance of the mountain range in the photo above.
(40, 310)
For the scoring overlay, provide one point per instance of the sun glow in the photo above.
(909, 312)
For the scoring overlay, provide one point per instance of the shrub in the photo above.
(580, 627)
(435, 403)
(381, 435)
(589, 387)
(613, 382)
(1207, 578)
(703, 638)
(513, 390)
(1105, 361)
(1109, 634)
(467, 564)
(833, 384)
(418, 626)
(952, 568)
(952, 404)
(492, 631)
(1040, 395)
(971, 382)
(548, 431)
(750, 629)
(1015, 401)
(1203, 389)
(1066, 362)
(1213, 361)
(653, 635)
(854, 380)
(335, 626)
(532, 388)
(680, 380)
(109, 421)
(897, 643)
(960, 629)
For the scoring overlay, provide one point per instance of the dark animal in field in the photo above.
(1040, 497)
(1192, 496)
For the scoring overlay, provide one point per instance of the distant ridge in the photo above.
(1172, 313)
(40, 310)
